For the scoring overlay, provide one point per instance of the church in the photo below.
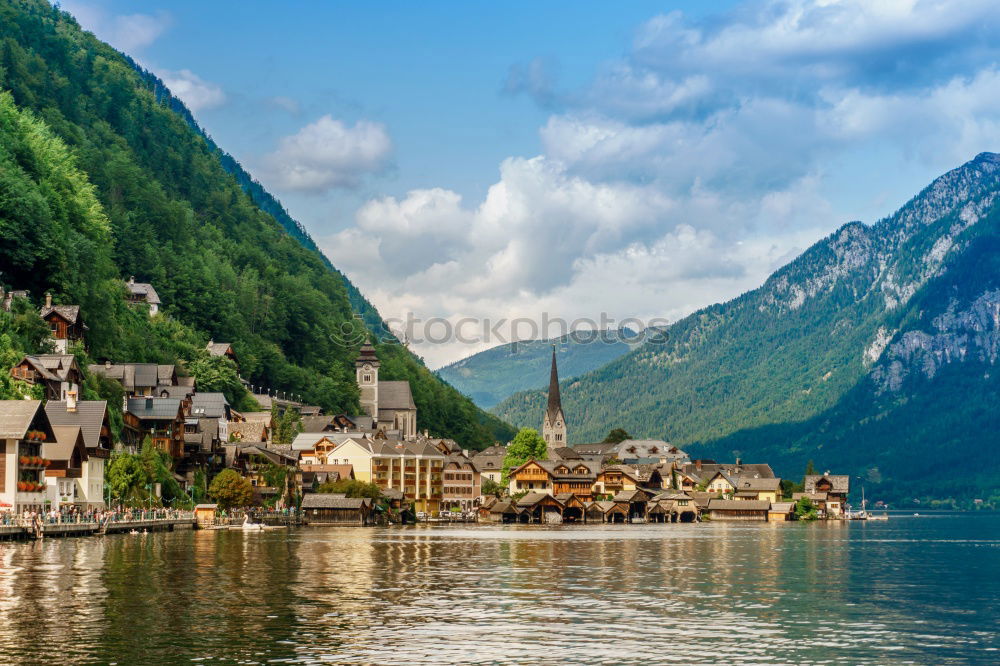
(554, 423)
(389, 403)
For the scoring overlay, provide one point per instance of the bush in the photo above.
(231, 490)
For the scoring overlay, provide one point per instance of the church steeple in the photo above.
(554, 424)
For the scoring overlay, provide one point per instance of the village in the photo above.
(374, 467)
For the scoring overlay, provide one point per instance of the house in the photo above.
(752, 488)
(836, 487)
(613, 479)
(91, 417)
(638, 451)
(316, 475)
(222, 349)
(818, 500)
(673, 507)
(24, 428)
(461, 483)
(64, 322)
(413, 467)
(162, 419)
(489, 462)
(261, 465)
(704, 469)
(636, 500)
(8, 297)
(574, 509)
(329, 509)
(142, 292)
(539, 508)
(533, 476)
(574, 477)
(248, 431)
(606, 512)
(781, 512)
(211, 405)
(501, 511)
(66, 455)
(205, 514)
(138, 379)
(318, 424)
(59, 373)
(742, 510)
(721, 483)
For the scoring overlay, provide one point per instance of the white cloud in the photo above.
(126, 32)
(689, 170)
(196, 93)
(327, 154)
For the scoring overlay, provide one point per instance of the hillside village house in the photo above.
(138, 379)
(65, 324)
(143, 292)
(58, 373)
(24, 428)
(90, 417)
(162, 419)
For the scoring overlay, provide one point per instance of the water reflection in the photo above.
(907, 590)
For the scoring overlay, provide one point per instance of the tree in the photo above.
(351, 488)
(617, 436)
(805, 509)
(810, 468)
(218, 374)
(230, 489)
(491, 487)
(286, 426)
(526, 445)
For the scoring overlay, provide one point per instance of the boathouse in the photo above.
(334, 509)
(747, 510)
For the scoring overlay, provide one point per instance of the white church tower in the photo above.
(554, 424)
(366, 367)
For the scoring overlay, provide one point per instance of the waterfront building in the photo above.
(412, 467)
(636, 500)
(489, 462)
(781, 512)
(533, 476)
(162, 420)
(461, 483)
(538, 507)
(92, 419)
(606, 512)
(834, 486)
(614, 479)
(24, 427)
(554, 424)
(752, 488)
(721, 483)
(330, 509)
(745, 510)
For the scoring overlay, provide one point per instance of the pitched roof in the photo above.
(217, 348)
(89, 416)
(16, 417)
(504, 506)
(367, 354)
(782, 507)
(841, 483)
(744, 483)
(131, 375)
(762, 470)
(264, 417)
(565, 453)
(494, 450)
(53, 367)
(331, 501)
(316, 423)
(488, 463)
(67, 439)
(70, 313)
(247, 431)
(143, 289)
(738, 505)
(531, 499)
(652, 449)
(210, 405)
(154, 409)
(395, 395)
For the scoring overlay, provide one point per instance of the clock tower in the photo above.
(366, 367)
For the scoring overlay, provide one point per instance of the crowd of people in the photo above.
(77, 515)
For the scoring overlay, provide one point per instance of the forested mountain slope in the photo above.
(223, 267)
(876, 348)
(492, 375)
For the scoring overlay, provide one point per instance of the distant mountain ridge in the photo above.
(490, 376)
(874, 352)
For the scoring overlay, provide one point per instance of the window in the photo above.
(367, 379)
(558, 436)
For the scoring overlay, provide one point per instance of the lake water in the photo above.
(915, 589)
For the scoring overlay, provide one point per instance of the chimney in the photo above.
(697, 464)
(48, 299)
(131, 279)
(70, 401)
(107, 364)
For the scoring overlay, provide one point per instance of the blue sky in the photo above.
(638, 159)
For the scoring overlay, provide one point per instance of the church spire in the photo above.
(555, 403)
(554, 423)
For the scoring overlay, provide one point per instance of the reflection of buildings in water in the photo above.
(336, 573)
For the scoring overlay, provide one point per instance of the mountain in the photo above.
(492, 375)
(874, 353)
(169, 207)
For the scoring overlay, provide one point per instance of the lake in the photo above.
(913, 589)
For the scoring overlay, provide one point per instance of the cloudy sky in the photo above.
(568, 159)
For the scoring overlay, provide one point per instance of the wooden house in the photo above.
(501, 511)
(835, 486)
(64, 322)
(781, 512)
(574, 509)
(532, 476)
(636, 500)
(142, 292)
(739, 510)
(574, 477)
(328, 509)
(539, 508)
(606, 512)
(58, 373)
(162, 420)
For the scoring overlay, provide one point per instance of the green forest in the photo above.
(104, 177)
